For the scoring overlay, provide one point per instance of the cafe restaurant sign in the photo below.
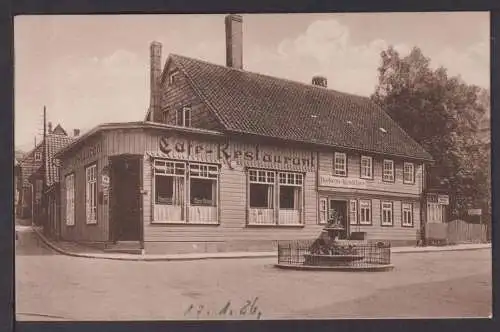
(333, 181)
(233, 152)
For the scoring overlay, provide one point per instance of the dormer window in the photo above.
(172, 77)
(184, 117)
(38, 156)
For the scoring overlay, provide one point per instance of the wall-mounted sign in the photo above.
(475, 212)
(443, 199)
(333, 181)
(233, 153)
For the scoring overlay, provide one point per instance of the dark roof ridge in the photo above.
(270, 76)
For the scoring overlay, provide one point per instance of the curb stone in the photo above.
(146, 258)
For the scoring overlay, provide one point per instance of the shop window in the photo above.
(365, 212)
(287, 191)
(353, 212)
(387, 214)
(169, 182)
(183, 117)
(388, 171)
(407, 212)
(408, 173)
(340, 164)
(91, 194)
(261, 189)
(203, 184)
(323, 210)
(70, 199)
(290, 190)
(366, 167)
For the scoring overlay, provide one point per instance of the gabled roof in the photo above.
(58, 130)
(251, 103)
(28, 165)
(54, 144)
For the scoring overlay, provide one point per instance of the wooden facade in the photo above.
(229, 224)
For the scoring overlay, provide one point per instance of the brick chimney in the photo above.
(320, 81)
(155, 73)
(234, 41)
(76, 132)
(49, 127)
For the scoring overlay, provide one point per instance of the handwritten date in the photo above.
(248, 309)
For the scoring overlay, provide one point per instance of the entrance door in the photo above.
(126, 200)
(340, 207)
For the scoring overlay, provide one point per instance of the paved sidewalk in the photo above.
(76, 250)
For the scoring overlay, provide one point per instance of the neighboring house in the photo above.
(27, 165)
(46, 183)
(230, 160)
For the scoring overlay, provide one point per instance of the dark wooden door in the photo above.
(126, 210)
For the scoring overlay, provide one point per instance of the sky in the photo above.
(93, 69)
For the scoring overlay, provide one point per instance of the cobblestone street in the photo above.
(52, 287)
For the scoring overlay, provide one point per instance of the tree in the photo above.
(442, 114)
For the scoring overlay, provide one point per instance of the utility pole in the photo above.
(44, 168)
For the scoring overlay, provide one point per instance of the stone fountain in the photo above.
(327, 250)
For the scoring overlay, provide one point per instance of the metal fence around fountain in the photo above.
(299, 253)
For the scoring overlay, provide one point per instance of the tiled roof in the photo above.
(54, 144)
(251, 103)
(28, 165)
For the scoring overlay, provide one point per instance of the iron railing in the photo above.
(348, 253)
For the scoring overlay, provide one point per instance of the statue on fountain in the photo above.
(327, 242)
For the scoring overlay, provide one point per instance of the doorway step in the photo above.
(124, 247)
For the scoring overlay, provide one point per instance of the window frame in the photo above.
(276, 179)
(186, 120)
(205, 172)
(412, 215)
(361, 167)
(382, 214)
(393, 172)
(172, 76)
(322, 211)
(95, 192)
(345, 170)
(412, 172)
(70, 222)
(353, 212)
(360, 208)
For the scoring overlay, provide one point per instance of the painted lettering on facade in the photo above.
(87, 153)
(332, 181)
(230, 152)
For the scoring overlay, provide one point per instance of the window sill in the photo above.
(183, 223)
(360, 224)
(389, 181)
(366, 178)
(408, 226)
(276, 225)
(387, 225)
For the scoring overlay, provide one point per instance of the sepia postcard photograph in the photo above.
(252, 166)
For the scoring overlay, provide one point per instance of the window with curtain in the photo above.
(290, 189)
(203, 184)
(169, 180)
(261, 188)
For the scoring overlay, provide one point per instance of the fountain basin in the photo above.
(330, 260)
